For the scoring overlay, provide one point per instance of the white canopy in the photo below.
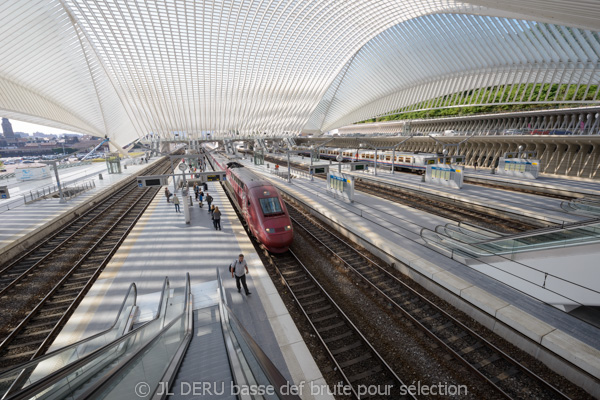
(129, 68)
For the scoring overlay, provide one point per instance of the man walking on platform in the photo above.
(209, 200)
(239, 269)
(176, 202)
(217, 219)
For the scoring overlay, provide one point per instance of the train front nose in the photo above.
(279, 239)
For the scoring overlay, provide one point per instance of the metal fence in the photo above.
(70, 190)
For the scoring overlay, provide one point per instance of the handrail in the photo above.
(266, 365)
(94, 391)
(234, 361)
(97, 389)
(543, 231)
(64, 372)
(173, 367)
(33, 363)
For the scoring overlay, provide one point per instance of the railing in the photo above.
(26, 374)
(474, 246)
(152, 363)
(7, 175)
(587, 206)
(73, 379)
(71, 165)
(70, 190)
(503, 264)
(249, 364)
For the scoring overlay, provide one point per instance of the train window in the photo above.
(387, 158)
(407, 159)
(270, 205)
(401, 159)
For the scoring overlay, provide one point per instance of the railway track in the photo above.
(40, 289)
(500, 371)
(451, 209)
(361, 367)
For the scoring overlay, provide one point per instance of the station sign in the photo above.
(215, 178)
(319, 169)
(341, 185)
(359, 166)
(153, 180)
(519, 167)
(447, 175)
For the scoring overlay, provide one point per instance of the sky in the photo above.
(26, 127)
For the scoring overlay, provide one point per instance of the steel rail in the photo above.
(417, 322)
(110, 200)
(56, 248)
(23, 324)
(47, 340)
(345, 318)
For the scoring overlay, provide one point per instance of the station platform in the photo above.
(544, 209)
(545, 331)
(573, 186)
(22, 219)
(17, 188)
(162, 244)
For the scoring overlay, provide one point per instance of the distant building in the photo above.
(43, 135)
(7, 129)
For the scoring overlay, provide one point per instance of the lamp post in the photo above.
(289, 174)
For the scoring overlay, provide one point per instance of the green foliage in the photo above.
(496, 94)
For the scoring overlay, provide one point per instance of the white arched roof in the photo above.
(439, 55)
(127, 68)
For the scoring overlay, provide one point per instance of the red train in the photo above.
(262, 208)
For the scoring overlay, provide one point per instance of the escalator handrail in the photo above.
(96, 389)
(62, 373)
(31, 363)
(270, 370)
(173, 367)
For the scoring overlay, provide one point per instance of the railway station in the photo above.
(301, 200)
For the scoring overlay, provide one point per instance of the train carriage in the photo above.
(414, 162)
(262, 208)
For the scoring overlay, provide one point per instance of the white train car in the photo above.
(407, 161)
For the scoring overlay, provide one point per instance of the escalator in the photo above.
(123, 364)
(472, 242)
